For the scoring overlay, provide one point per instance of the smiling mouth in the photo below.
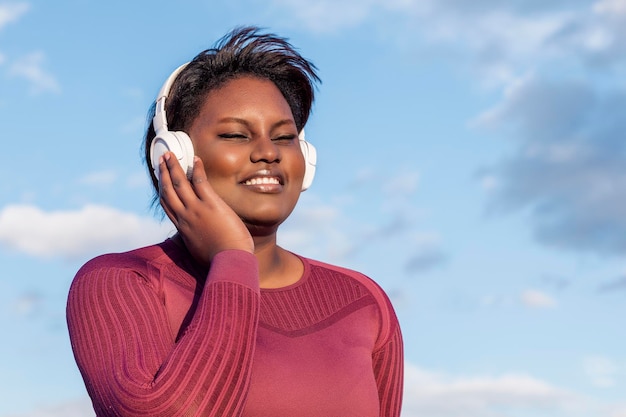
(262, 181)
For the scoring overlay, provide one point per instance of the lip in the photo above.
(264, 181)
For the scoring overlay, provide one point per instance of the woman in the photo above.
(219, 320)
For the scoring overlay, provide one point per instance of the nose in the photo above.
(265, 150)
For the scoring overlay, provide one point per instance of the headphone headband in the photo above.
(160, 117)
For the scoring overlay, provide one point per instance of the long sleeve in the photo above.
(389, 373)
(131, 364)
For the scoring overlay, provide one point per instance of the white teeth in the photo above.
(262, 180)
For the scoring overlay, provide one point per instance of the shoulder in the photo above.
(355, 277)
(135, 260)
(139, 266)
(365, 284)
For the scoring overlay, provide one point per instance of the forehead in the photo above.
(245, 95)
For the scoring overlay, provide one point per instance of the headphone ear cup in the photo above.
(179, 143)
(310, 162)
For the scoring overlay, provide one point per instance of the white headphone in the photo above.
(180, 144)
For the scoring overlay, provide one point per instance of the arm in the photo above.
(132, 367)
(388, 363)
(119, 327)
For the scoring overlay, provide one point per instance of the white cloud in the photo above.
(602, 371)
(502, 39)
(328, 15)
(76, 234)
(499, 39)
(99, 178)
(537, 299)
(496, 34)
(30, 68)
(492, 117)
(569, 135)
(314, 231)
(610, 7)
(560, 65)
(489, 182)
(436, 394)
(77, 408)
(402, 184)
(10, 12)
(619, 411)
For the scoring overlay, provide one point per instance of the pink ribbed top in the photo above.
(155, 335)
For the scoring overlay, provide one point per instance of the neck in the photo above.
(277, 267)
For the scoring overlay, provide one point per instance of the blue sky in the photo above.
(471, 160)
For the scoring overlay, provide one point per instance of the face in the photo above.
(247, 139)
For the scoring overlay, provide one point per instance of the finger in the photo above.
(170, 214)
(167, 192)
(200, 183)
(179, 182)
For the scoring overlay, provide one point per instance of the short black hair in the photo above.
(244, 51)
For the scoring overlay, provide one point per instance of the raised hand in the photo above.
(205, 222)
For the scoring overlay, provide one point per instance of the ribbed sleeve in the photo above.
(389, 373)
(129, 360)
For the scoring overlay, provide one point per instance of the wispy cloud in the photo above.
(568, 170)
(537, 299)
(326, 16)
(313, 230)
(618, 284)
(330, 230)
(10, 12)
(99, 178)
(77, 408)
(75, 234)
(427, 253)
(405, 183)
(564, 109)
(601, 370)
(27, 304)
(31, 68)
(560, 65)
(436, 394)
(529, 298)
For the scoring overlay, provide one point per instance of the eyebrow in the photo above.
(248, 124)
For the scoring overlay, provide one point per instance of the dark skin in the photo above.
(247, 178)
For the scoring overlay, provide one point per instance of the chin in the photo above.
(260, 228)
(263, 225)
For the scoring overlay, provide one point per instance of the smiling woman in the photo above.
(219, 320)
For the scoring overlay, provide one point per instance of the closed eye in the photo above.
(233, 136)
(285, 139)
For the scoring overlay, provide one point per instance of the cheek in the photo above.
(219, 164)
(298, 166)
